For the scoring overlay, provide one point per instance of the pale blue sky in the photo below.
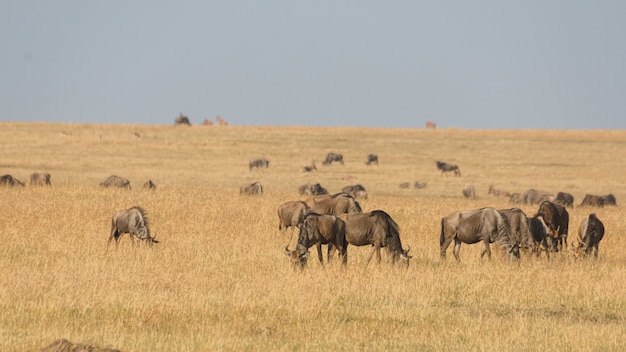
(465, 64)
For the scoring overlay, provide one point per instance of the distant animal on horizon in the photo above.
(207, 122)
(565, 199)
(221, 121)
(590, 233)
(469, 192)
(115, 181)
(431, 125)
(372, 159)
(258, 163)
(251, 189)
(333, 157)
(132, 221)
(136, 135)
(182, 120)
(497, 192)
(308, 168)
(598, 201)
(8, 180)
(149, 185)
(445, 167)
(37, 179)
(419, 185)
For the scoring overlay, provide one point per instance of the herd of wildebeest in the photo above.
(336, 220)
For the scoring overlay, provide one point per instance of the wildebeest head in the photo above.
(298, 257)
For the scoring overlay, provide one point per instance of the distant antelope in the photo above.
(221, 121)
(208, 122)
(136, 135)
(431, 125)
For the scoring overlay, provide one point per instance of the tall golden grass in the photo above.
(219, 279)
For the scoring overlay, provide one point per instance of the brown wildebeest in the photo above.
(132, 221)
(445, 167)
(430, 125)
(472, 226)
(335, 204)
(419, 185)
(115, 181)
(308, 168)
(376, 229)
(251, 189)
(258, 163)
(331, 157)
(356, 191)
(182, 120)
(404, 185)
(557, 219)
(536, 197)
(37, 179)
(516, 198)
(291, 214)
(598, 201)
(469, 192)
(590, 233)
(497, 192)
(207, 122)
(8, 180)
(565, 199)
(530, 233)
(372, 159)
(317, 230)
(312, 190)
(149, 185)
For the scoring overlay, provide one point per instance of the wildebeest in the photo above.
(372, 159)
(258, 163)
(565, 199)
(8, 180)
(149, 185)
(516, 198)
(182, 120)
(590, 233)
(115, 181)
(404, 185)
(530, 233)
(445, 167)
(132, 221)
(598, 201)
(37, 179)
(356, 191)
(469, 192)
(533, 196)
(335, 204)
(472, 226)
(317, 230)
(379, 230)
(331, 157)
(419, 185)
(557, 219)
(291, 214)
(308, 168)
(312, 190)
(251, 189)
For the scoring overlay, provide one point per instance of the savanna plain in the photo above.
(219, 278)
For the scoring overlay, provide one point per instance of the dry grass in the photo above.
(220, 281)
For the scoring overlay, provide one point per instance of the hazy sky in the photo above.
(467, 64)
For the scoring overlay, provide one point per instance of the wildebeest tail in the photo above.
(441, 237)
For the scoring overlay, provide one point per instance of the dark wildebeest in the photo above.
(308, 168)
(469, 192)
(132, 221)
(404, 185)
(472, 226)
(8, 180)
(372, 159)
(182, 120)
(598, 201)
(557, 219)
(258, 163)
(312, 190)
(330, 157)
(317, 230)
(251, 189)
(291, 214)
(149, 185)
(536, 197)
(445, 167)
(376, 229)
(116, 181)
(335, 204)
(590, 233)
(565, 199)
(37, 179)
(530, 233)
(356, 191)
(516, 198)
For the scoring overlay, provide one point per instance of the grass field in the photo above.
(219, 279)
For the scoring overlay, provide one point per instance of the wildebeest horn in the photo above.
(408, 249)
(287, 251)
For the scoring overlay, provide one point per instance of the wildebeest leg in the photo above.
(115, 234)
(486, 250)
(319, 253)
(375, 248)
(457, 248)
(444, 247)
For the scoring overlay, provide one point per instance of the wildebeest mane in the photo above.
(144, 216)
(392, 240)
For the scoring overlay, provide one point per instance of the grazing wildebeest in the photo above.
(565, 199)
(431, 125)
(182, 120)
(8, 180)
(609, 199)
(149, 185)
(536, 197)
(516, 198)
(317, 230)
(530, 233)
(291, 214)
(557, 219)
(259, 163)
(497, 192)
(115, 181)
(251, 189)
(598, 201)
(308, 168)
(356, 191)
(330, 157)
(472, 226)
(376, 229)
(590, 233)
(335, 204)
(404, 185)
(312, 190)
(469, 192)
(372, 159)
(37, 179)
(132, 221)
(445, 167)
(419, 185)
